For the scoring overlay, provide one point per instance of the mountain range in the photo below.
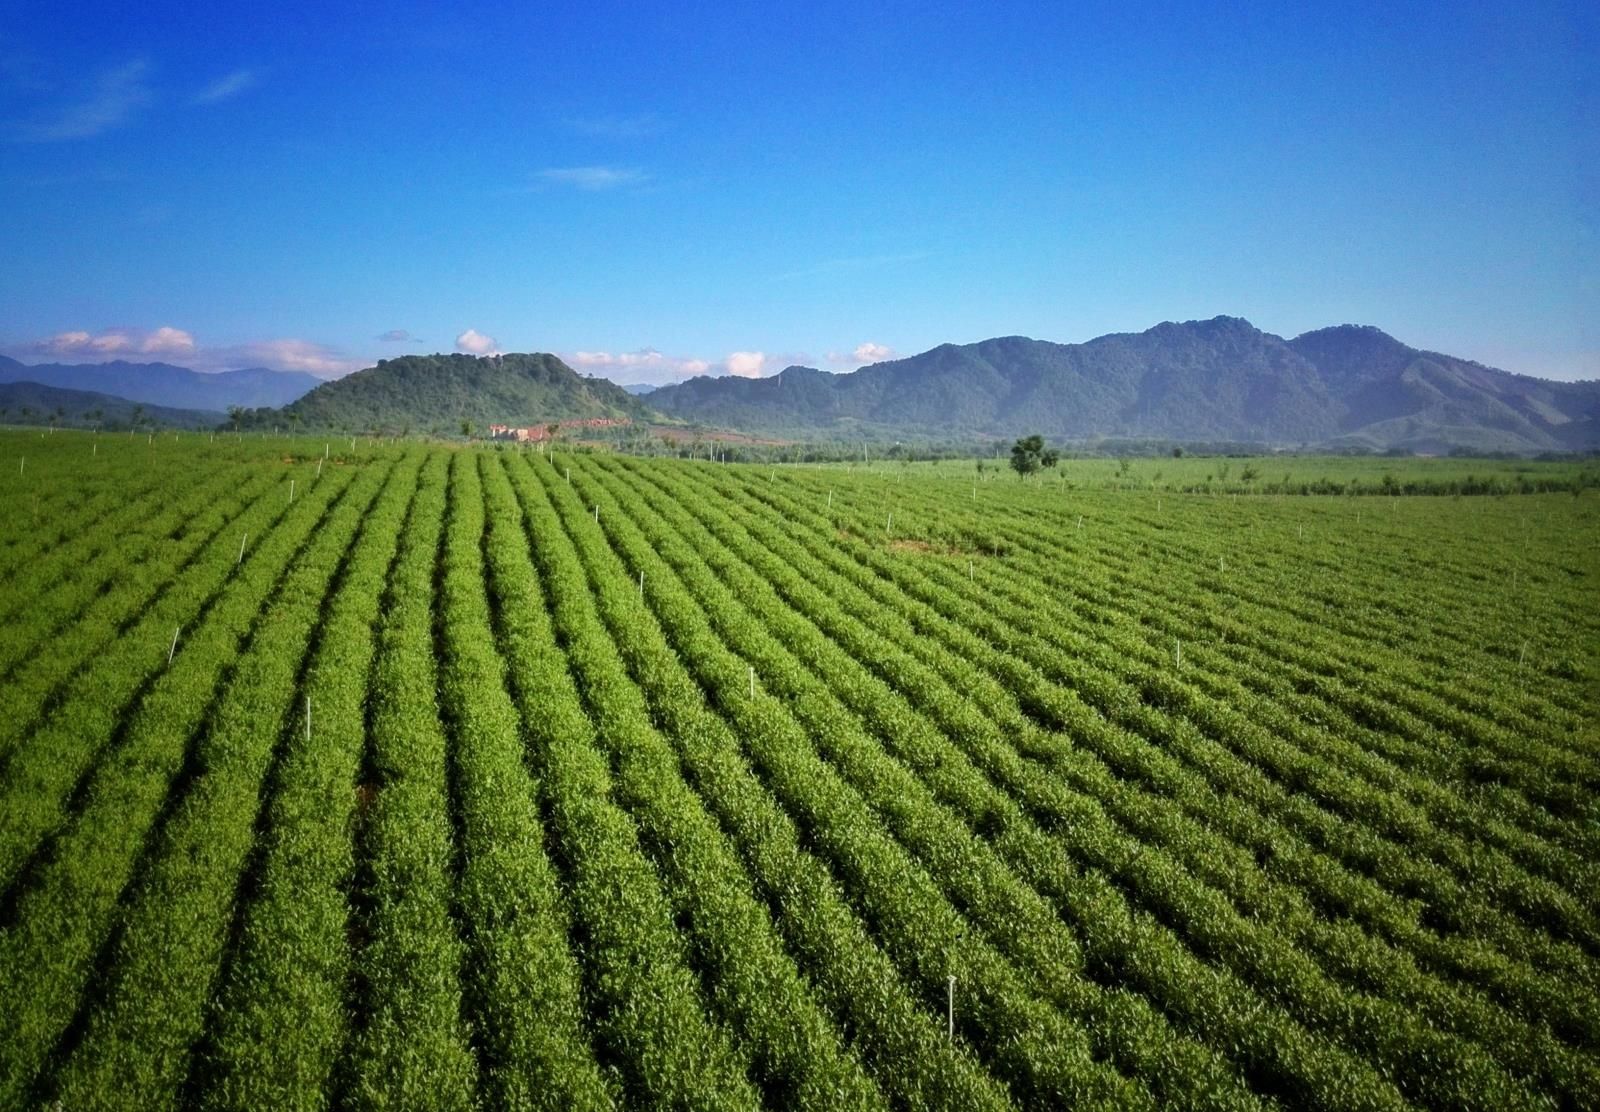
(1214, 380)
(1218, 380)
(29, 403)
(166, 385)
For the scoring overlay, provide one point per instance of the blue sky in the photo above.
(654, 191)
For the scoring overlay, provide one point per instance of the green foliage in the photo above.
(455, 392)
(1212, 380)
(655, 782)
(31, 404)
(1029, 454)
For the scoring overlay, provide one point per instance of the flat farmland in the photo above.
(352, 774)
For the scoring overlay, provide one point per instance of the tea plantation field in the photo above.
(348, 774)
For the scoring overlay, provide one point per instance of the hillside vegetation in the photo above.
(1215, 380)
(435, 393)
(30, 403)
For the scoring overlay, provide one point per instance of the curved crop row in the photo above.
(1199, 913)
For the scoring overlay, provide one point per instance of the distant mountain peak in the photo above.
(1218, 380)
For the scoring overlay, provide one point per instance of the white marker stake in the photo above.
(889, 528)
(23, 466)
(569, 474)
(319, 469)
(752, 681)
(240, 560)
(325, 450)
(291, 491)
(308, 718)
(950, 1012)
(597, 513)
(641, 584)
(1178, 646)
(174, 647)
(830, 499)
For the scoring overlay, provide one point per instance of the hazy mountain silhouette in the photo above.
(1219, 379)
(165, 384)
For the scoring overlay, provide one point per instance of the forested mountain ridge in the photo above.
(1219, 379)
(32, 403)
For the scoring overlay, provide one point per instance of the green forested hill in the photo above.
(423, 393)
(33, 403)
(1215, 380)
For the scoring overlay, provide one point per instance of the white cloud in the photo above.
(175, 344)
(168, 341)
(593, 178)
(63, 343)
(746, 364)
(476, 343)
(110, 102)
(644, 365)
(281, 355)
(229, 85)
(864, 353)
(118, 341)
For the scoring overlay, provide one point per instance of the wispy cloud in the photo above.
(398, 336)
(228, 86)
(179, 345)
(110, 101)
(651, 366)
(593, 178)
(280, 355)
(851, 263)
(618, 127)
(116, 343)
(644, 365)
